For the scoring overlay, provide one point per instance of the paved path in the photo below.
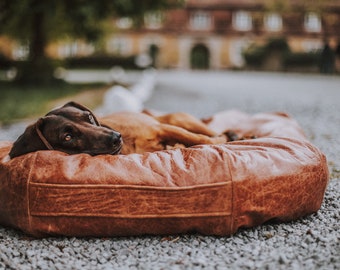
(309, 243)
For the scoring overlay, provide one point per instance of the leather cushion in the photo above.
(209, 189)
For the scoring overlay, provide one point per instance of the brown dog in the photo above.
(74, 129)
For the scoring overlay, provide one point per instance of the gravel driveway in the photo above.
(311, 242)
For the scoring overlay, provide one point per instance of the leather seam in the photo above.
(150, 216)
(28, 190)
(232, 214)
(127, 187)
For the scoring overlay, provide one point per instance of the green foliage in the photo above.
(301, 59)
(100, 62)
(279, 44)
(76, 18)
(43, 72)
(255, 55)
(5, 63)
(37, 22)
(134, 8)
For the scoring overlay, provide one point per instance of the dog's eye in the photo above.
(68, 137)
(91, 118)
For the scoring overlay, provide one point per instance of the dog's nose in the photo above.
(116, 137)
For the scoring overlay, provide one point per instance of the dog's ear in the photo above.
(73, 104)
(68, 104)
(83, 108)
(76, 105)
(29, 141)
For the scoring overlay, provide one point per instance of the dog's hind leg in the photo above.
(186, 121)
(170, 135)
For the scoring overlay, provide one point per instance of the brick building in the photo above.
(211, 34)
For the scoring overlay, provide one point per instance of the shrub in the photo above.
(5, 63)
(301, 59)
(100, 62)
(279, 44)
(255, 55)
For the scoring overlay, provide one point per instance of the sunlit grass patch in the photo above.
(22, 102)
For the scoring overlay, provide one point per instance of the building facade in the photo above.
(211, 34)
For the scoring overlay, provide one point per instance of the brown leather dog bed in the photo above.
(210, 189)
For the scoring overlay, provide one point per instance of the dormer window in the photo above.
(200, 20)
(312, 22)
(273, 22)
(242, 21)
(153, 20)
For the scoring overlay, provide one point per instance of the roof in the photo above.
(250, 4)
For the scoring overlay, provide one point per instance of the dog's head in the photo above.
(72, 129)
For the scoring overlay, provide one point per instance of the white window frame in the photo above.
(200, 20)
(153, 20)
(74, 48)
(242, 21)
(312, 22)
(273, 22)
(120, 45)
(124, 23)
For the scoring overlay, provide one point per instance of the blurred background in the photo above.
(41, 42)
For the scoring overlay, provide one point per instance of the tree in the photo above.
(39, 22)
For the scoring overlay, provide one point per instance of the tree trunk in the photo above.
(38, 39)
(38, 69)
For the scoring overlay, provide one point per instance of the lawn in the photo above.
(24, 102)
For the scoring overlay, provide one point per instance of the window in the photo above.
(21, 51)
(124, 23)
(74, 48)
(200, 21)
(273, 22)
(312, 22)
(120, 46)
(242, 21)
(153, 20)
(68, 49)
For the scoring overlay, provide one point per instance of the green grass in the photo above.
(23, 102)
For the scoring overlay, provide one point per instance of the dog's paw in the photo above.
(221, 139)
(231, 136)
(175, 146)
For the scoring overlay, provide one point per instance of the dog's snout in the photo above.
(116, 137)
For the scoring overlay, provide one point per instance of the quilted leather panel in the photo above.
(129, 201)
